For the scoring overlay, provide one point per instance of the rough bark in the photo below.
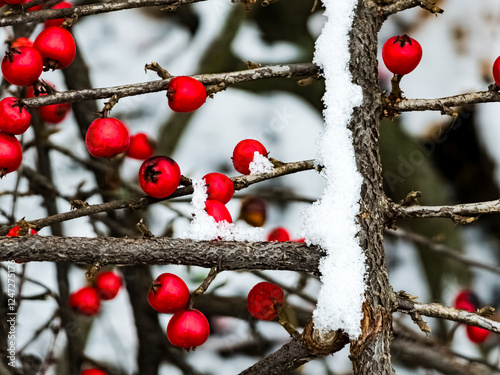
(127, 251)
(370, 354)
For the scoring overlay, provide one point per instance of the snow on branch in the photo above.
(331, 222)
(460, 213)
(436, 310)
(440, 104)
(240, 182)
(228, 255)
(228, 78)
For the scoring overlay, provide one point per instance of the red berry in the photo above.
(476, 334)
(11, 154)
(141, 147)
(57, 47)
(14, 1)
(278, 234)
(401, 54)
(185, 94)
(168, 294)
(244, 153)
(85, 301)
(264, 299)
(219, 187)
(23, 66)
(188, 329)
(496, 71)
(466, 300)
(52, 113)
(159, 176)
(302, 240)
(107, 137)
(217, 210)
(93, 371)
(14, 118)
(57, 21)
(14, 232)
(22, 42)
(108, 284)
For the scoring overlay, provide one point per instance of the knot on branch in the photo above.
(77, 204)
(464, 220)
(321, 344)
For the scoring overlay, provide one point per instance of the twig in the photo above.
(407, 105)
(437, 310)
(240, 182)
(214, 271)
(461, 213)
(228, 78)
(393, 7)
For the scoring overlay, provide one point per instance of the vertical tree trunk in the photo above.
(370, 354)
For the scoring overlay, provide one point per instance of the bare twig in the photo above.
(229, 78)
(240, 182)
(396, 6)
(436, 310)
(461, 213)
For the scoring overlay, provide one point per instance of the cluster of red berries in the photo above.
(87, 300)
(188, 328)
(468, 300)
(265, 300)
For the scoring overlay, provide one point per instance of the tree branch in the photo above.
(228, 78)
(86, 10)
(398, 6)
(229, 255)
(240, 182)
(407, 105)
(435, 310)
(461, 213)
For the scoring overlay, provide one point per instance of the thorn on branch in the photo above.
(431, 7)
(108, 106)
(146, 233)
(448, 111)
(307, 81)
(171, 8)
(155, 67)
(252, 65)
(69, 21)
(459, 219)
(214, 89)
(411, 199)
(486, 311)
(96, 266)
(78, 204)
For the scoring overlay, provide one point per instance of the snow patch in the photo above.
(260, 164)
(331, 221)
(204, 227)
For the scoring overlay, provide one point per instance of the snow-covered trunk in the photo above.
(353, 205)
(371, 353)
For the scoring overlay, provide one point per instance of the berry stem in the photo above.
(108, 106)
(283, 321)
(203, 286)
(96, 266)
(396, 92)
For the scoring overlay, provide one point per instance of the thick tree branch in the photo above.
(229, 255)
(436, 310)
(86, 10)
(407, 105)
(461, 213)
(240, 182)
(441, 249)
(229, 78)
